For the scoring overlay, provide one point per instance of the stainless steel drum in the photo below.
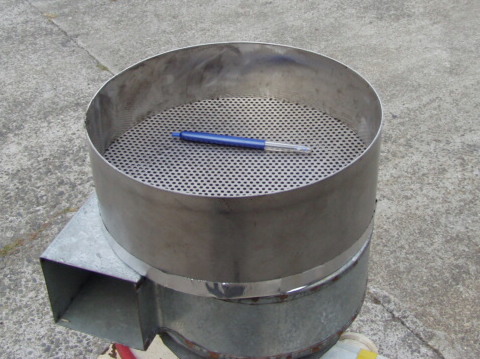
(264, 253)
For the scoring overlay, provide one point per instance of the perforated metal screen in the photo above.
(151, 155)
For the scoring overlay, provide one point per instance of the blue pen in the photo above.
(239, 141)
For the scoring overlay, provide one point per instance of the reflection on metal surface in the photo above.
(288, 286)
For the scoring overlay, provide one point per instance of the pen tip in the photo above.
(176, 134)
(304, 149)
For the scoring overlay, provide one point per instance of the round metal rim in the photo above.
(290, 285)
(372, 143)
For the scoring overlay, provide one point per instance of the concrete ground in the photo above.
(422, 57)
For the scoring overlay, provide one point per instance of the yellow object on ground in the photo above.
(366, 354)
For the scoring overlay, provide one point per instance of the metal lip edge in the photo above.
(289, 285)
(94, 150)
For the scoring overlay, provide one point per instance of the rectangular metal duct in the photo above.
(91, 290)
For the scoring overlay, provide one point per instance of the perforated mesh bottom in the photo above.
(150, 154)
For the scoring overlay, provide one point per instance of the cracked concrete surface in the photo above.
(421, 57)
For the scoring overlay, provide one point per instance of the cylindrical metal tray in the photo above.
(194, 216)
